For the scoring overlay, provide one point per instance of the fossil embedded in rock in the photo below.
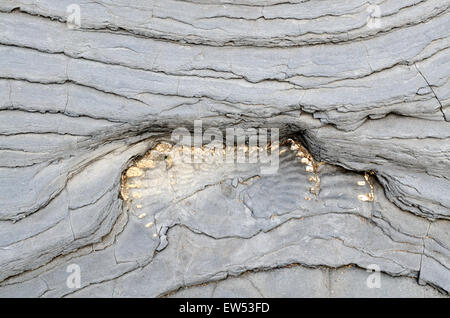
(94, 181)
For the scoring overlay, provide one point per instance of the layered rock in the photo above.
(78, 105)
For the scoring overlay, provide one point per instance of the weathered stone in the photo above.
(79, 106)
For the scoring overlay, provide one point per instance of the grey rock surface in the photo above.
(78, 106)
(306, 282)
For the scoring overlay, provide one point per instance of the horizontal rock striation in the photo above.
(80, 105)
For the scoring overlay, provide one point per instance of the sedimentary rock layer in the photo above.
(79, 105)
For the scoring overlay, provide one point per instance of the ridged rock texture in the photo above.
(81, 106)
